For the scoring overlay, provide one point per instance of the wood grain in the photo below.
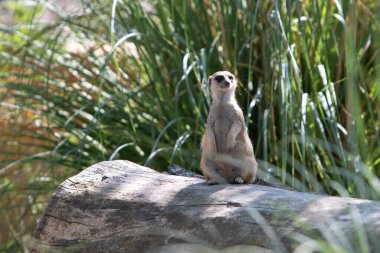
(119, 206)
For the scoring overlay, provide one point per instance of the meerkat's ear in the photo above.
(209, 80)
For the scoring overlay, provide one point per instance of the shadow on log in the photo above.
(120, 206)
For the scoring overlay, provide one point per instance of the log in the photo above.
(120, 206)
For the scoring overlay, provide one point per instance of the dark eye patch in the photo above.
(231, 77)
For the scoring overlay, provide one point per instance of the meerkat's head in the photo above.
(222, 80)
(222, 83)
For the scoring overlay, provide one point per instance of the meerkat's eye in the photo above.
(231, 77)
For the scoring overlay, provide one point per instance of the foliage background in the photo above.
(127, 80)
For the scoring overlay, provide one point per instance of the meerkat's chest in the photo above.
(223, 119)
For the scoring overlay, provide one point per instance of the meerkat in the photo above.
(227, 151)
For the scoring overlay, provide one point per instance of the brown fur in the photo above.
(227, 152)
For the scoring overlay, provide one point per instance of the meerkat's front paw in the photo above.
(212, 156)
(239, 180)
(230, 144)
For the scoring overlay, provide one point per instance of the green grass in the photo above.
(136, 90)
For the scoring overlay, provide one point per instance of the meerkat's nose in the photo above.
(219, 78)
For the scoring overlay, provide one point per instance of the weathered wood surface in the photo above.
(120, 206)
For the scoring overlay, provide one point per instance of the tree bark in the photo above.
(119, 206)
